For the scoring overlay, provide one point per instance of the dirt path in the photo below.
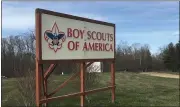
(166, 75)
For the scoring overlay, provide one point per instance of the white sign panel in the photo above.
(65, 39)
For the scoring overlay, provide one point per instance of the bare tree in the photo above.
(24, 94)
(26, 88)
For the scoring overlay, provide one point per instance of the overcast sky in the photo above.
(153, 23)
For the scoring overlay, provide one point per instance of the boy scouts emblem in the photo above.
(55, 38)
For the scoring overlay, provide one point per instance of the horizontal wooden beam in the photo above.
(63, 84)
(98, 90)
(74, 60)
(60, 97)
(76, 94)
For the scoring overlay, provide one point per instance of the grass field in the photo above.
(132, 89)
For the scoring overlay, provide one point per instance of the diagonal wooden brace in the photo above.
(45, 87)
(87, 65)
(64, 83)
(50, 70)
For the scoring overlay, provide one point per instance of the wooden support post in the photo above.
(38, 83)
(45, 91)
(113, 80)
(38, 57)
(41, 82)
(82, 83)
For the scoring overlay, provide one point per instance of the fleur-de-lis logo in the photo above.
(55, 38)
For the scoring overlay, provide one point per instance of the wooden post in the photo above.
(38, 83)
(113, 80)
(38, 57)
(82, 83)
(45, 91)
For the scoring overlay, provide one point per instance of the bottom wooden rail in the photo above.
(76, 94)
(98, 89)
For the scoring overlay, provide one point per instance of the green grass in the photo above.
(132, 89)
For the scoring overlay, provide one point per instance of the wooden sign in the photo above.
(62, 37)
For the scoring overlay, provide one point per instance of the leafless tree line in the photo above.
(135, 57)
(18, 55)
